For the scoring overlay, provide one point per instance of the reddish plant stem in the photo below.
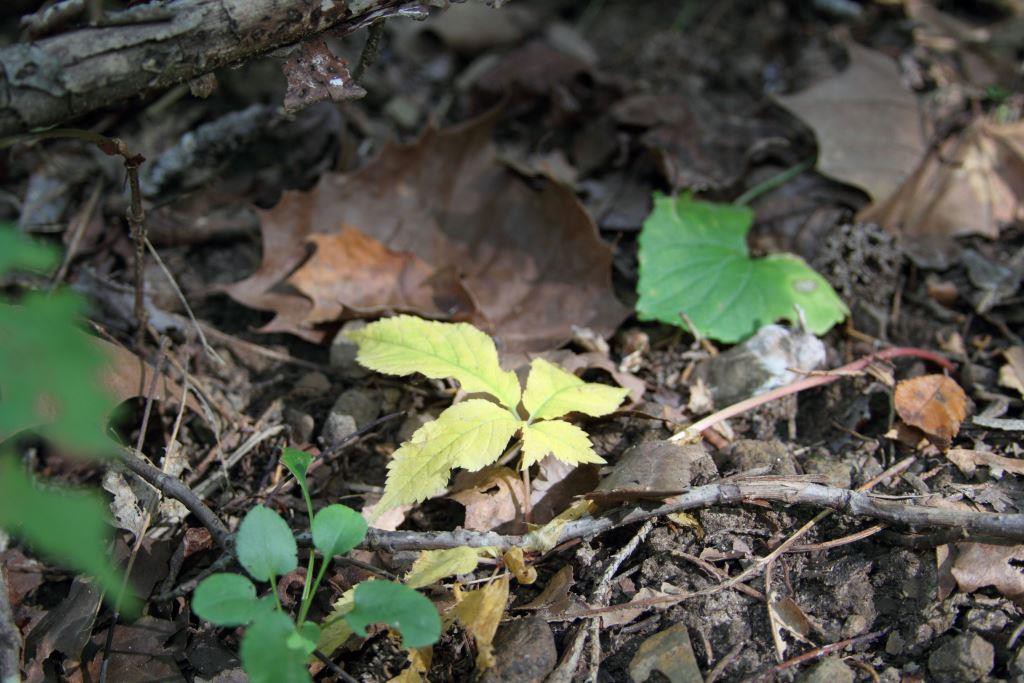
(810, 382)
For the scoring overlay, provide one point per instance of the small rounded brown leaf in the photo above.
(935, 404)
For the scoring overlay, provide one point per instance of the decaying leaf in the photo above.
(1011, 375)
(935, 404)
(492, 497)
(970, 185)
(981, 564)
(314, 74)
(655, 470)
(419, 664)
(480, 611)
(866, 121)
(555, 601)
(968, 461)
(433, 565)
(334, 629)
(531, 260)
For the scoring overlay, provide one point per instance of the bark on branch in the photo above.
(50, 81)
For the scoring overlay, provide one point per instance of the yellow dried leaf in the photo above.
(471, 435)
(565, 441)
(334, 629)
(405, 344)
(553, 392)
(516, 563)
(419, 665)
(545, 538)
(433, 565)
(480, 611)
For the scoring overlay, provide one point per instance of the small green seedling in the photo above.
(473, 434)
(694, 260)
(276, 649)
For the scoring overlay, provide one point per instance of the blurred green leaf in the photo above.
(338, 529)
(51, 374)
(398, 606)
(68, 527)
(226, 600)
(297, 463)
(265, 545)
(273, 652)
(694, 259)
(20, 251)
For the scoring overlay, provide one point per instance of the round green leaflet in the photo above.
(398, 606)
(338, 529)
(265, 545)
(226, 600)
(273, 651)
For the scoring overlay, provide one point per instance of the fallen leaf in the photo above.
(480, 611)
(433, 565)
(492, 497)
(935, 404)
(314, 74)
(556, 600)
(516, 563)
(524, 650)
(531, 261)
(970, 185)
(139, 652)
(699, 142)
(669, 653)
(981, 564)
(968, 460)
(1011, 375)
(626, 615)
(866, 121)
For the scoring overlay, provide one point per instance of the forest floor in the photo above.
(567, 118)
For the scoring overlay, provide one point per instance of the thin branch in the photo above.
(10, 637)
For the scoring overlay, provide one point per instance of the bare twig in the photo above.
(370, 49)
(697, 428)
(819, 652)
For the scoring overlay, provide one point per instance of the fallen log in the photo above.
(152, 47)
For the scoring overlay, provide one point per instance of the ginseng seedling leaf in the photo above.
(553, 392)
(471, 435)
(565, 441)
(265, 545)
(405, 344)
(398, 606)
(694, 260)
(337, 529)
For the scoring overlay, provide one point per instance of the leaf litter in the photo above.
(600, 111)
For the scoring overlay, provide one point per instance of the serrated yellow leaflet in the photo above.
(471, 435)
(565, 441)
(553, 392)
(406, 344)
(433, 565)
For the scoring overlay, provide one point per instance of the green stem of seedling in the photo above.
(307, 589)
(307, 601)
(773, 182)
(277, 598)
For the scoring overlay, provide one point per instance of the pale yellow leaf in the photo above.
(565, 441)
(419, 665)
(553, 392)
(471, 435)
(433, 565)
(515, 562)
(334, 629)
(405, 344)
(480, 612)
(546, 537)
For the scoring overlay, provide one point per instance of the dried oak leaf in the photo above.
(971, 184)
(314, 74)
(981, 564)
(866, 121)
(460, 237)
(935, 404)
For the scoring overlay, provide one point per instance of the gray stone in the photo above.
(828, 670)
(336, 428)
(343, 352)
(410, 424)
(362, 404)
(525, 652)
(300, 423)
(967, 657)
(772, 456)
(311, 384)
(835, 471)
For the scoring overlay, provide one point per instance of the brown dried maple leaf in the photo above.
(935, 404)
